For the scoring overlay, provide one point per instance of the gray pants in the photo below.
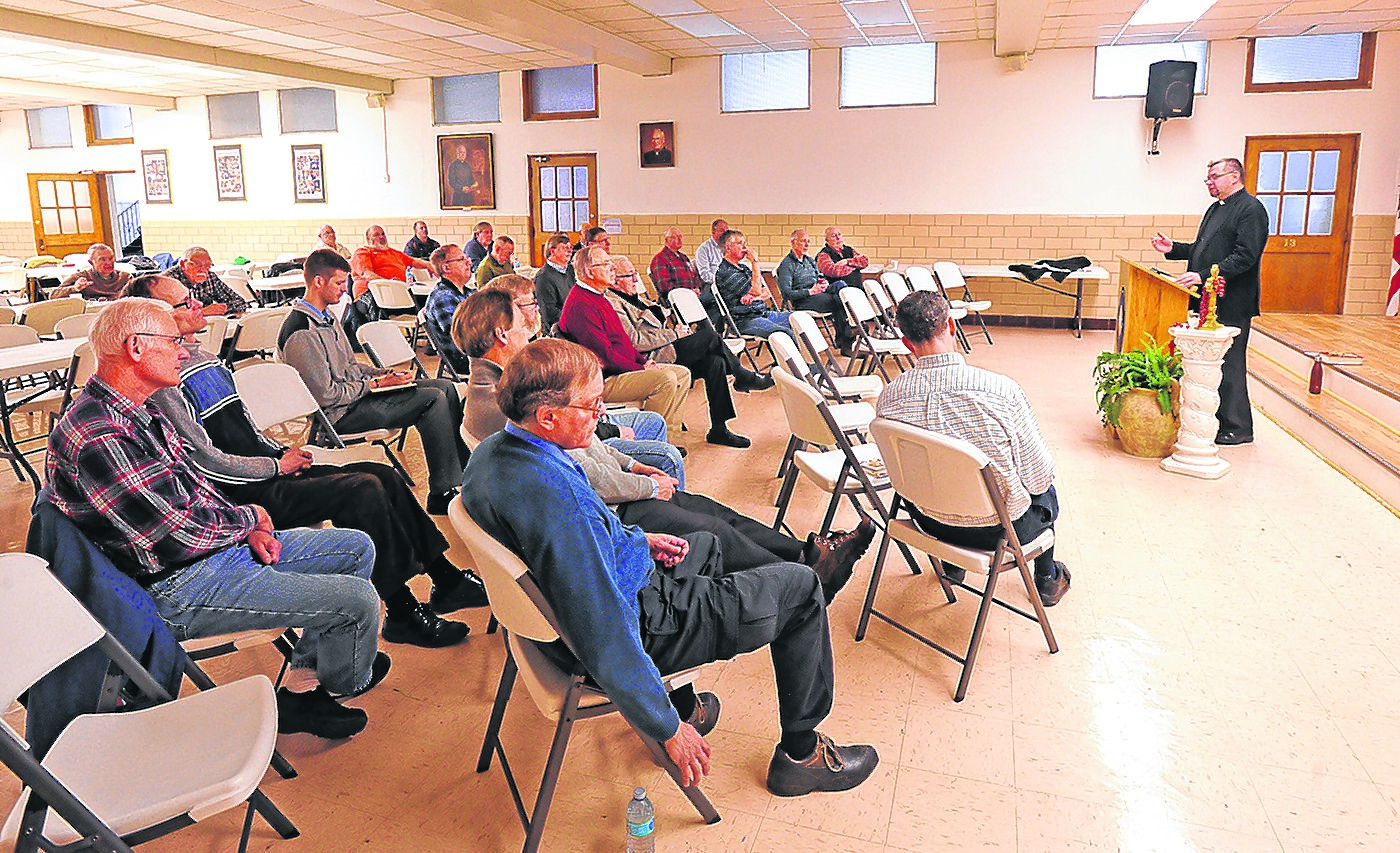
(694, 613)
(435, 409)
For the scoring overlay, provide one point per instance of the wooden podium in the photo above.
(1148, 304)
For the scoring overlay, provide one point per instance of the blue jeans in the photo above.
(766, 324)
(650, 447)
(319, 584)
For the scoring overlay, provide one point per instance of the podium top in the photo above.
(1158, 275)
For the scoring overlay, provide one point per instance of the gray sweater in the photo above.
(317, 347)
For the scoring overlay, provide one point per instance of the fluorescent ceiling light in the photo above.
(877, 13)
(491, 44)
(413, 22)
(704, 26)
(662, 8)
(1169, 12)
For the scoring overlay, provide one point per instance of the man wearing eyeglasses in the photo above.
(1233, 234)
(116, 468)
(632, 605)
(194, 271)
(454, 284)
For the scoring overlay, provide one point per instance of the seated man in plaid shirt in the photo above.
(194, 270)
(120, 472)
(454, 284)
(670, 268)
(942, 394)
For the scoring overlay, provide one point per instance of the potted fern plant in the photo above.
(1137, 394)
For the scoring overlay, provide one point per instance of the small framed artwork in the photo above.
(155, 173)
(228, 172)
(308, 174)
(658, 144)
(466, 172)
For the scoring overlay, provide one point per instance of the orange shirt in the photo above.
(369, 262)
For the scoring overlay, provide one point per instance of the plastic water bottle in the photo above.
(640, 823)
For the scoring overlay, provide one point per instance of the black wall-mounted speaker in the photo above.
(1171, 89)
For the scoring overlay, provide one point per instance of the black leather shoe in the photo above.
(954, 574)
(1230, 439)
(727, 439)
(1051, 591)
(470, 592)
(828, 768)
(437, 504)
(422, 627)
(706, 714)
(377, 671)
(842, 552)
(316, 713)
(750, 381)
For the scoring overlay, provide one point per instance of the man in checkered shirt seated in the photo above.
(943, 394)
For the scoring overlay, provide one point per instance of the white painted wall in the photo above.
(997, 142)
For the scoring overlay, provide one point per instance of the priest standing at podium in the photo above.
(1233, 233)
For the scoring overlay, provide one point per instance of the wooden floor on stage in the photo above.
(1376, 339)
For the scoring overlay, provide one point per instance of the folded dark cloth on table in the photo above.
(1058, 270)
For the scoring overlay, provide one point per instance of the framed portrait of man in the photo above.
(466, 172)
(658, 144)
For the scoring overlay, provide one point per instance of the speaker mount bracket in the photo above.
(1156, 131)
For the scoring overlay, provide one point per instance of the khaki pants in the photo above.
(662, 390)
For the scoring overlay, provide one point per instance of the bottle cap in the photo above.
(639, 794)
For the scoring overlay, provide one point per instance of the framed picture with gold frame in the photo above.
(466, 172)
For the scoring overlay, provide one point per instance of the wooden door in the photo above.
(68, 213)
(1306, 183)
(563, 197)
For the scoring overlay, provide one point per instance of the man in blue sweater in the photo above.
(632, 605)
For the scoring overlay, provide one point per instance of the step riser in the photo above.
(1328, 444)
(1382, 407)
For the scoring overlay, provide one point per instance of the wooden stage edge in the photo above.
(1375, 339)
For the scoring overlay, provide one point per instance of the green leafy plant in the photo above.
(1117, 373)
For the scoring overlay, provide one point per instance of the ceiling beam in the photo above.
(526, 20)
(86, 36)
(1018, 25)
(83, 94)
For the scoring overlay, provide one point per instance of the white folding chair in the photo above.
(211, 337)
(43, 316)
(7, 315)
(560, 695)
(835, 466)
(753, 345)
(74, 325)
(895, 285)
(275, 394)
(237, 279)
(921, 279)
(852, 418)
(870, 350)
(950, 277)
(14, 280)
(880, 298)
(829, 378)
(117, 780)
(685, 303)
(257, 333)
(395, 298)
(948, 477)
(385, 345)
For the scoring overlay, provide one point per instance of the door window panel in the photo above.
(1296, 171)
(1325, 171)
(547, 221)
(1270, 203)
(1320, 215)
(580, 182)
(1270, 172)
(1294, 209)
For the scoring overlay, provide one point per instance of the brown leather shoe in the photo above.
(840, 554)
(828, 768)
(1051, 591)
(706, 714)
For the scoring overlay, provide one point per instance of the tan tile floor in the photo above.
(1227, 681)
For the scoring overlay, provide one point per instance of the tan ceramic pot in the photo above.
(1144, 430)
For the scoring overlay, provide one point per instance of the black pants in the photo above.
(704, 354)
(364, 496)
(1234, 412)
(695, 613)
(435, 409)
(829, 302)
(1039, 517)
(744, 542)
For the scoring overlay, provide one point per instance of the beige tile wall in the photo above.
(910, 239)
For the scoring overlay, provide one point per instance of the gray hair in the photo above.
(922, 316)
(96, 247)
(123, 318)
(194, 250)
